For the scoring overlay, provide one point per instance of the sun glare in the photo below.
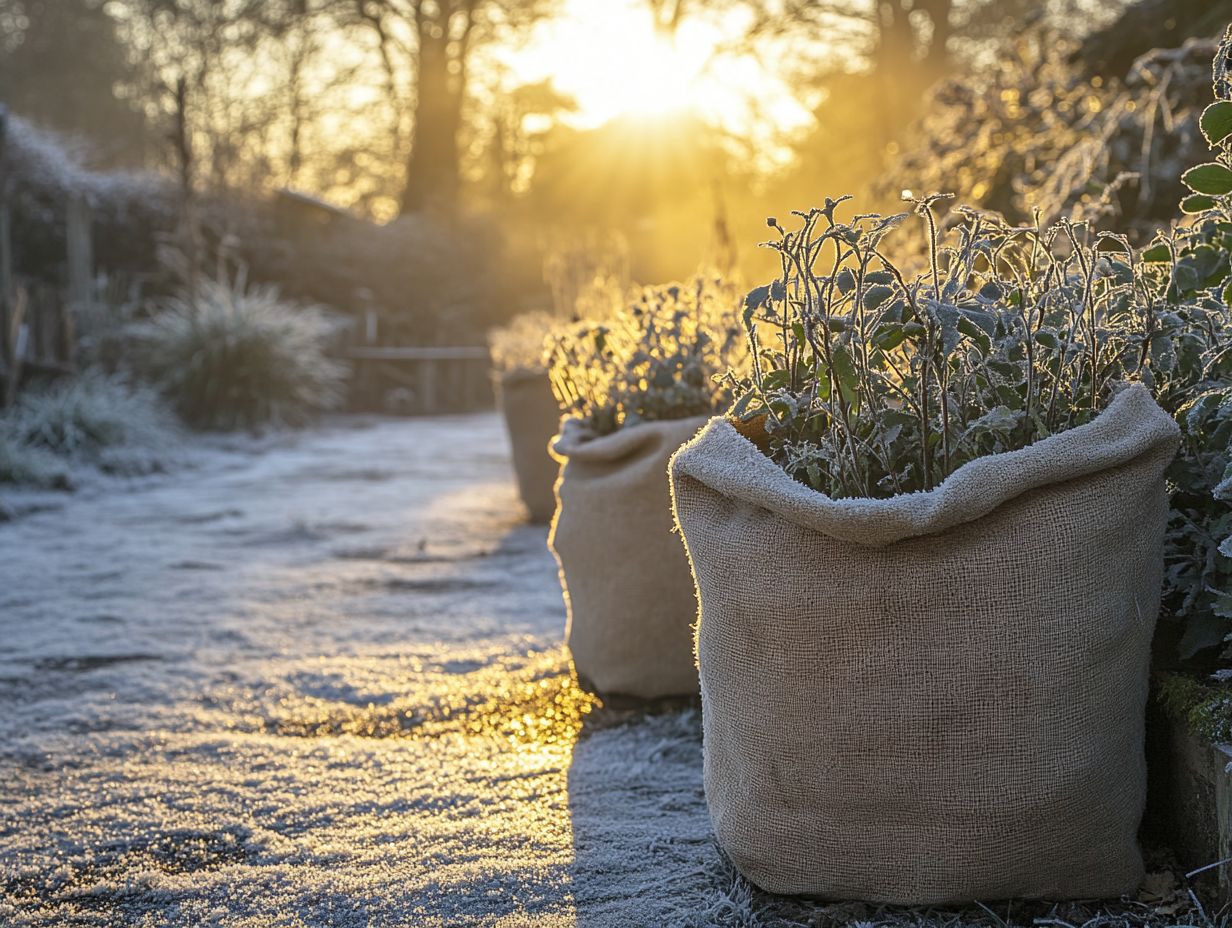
(609, 57)
(657, 79)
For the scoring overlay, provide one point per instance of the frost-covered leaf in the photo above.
(1197, 203)
(1216, 121)
(998, 419)
(1210, 178)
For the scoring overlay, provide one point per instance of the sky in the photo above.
(607, 56)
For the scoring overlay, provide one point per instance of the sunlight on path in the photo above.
(324, 686)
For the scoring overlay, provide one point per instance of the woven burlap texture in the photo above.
(937, 697)
(624, 573)
(532, 417)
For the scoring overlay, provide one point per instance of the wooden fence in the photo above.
(37, 337)
(420, 380)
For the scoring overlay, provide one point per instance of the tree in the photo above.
(270, 93)
(523, 125)
(63, 65)
(440, 39)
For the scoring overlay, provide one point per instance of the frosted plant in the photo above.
(524, 343)
(1190, 278)
(27, 465)
(659, 359)
(229, 356)
(96, 420)
(83, 417)
(867, 383)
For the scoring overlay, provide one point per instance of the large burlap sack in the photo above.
(531, 418)
(625, 576)
(936, 697)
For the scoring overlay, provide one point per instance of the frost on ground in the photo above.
(322, 685)
(318, 680)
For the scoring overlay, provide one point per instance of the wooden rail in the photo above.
(386, 353)
(420, 379)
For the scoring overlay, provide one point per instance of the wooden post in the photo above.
(427, 386)
(471, 370)
(17, 334)
(80, 241)
(79, 235)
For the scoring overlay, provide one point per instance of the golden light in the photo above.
(609, 57)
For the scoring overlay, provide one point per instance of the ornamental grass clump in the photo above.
(229, 356)
(634, 389)
(96, 420)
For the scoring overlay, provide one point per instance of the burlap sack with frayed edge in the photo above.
(937, 697)
(531, 418)
(625, 576)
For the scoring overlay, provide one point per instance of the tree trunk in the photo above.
(432, 172)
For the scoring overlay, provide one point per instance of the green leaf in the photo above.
(1202, 630)
(1216, 121)
(846, 281)
(889, 336)
(845, 373)
(776, 380)
(1048, 340)
(1157, 254)
(1197, 203)
(1223, 489)
(948, 317)
(877, 294)
(985, 320)
(1222, 606)
(991, 292)
(741, 406)
(998, 419)
(1186, 276)
(1163, 358)
(969, 328)
(1211, 178)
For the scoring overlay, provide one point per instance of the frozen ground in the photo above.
(318, 681)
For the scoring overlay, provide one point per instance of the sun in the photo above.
(608, 56)
(658, 78)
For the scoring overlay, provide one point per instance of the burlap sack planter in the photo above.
(531, 418)
(937, 697)
(623, 571)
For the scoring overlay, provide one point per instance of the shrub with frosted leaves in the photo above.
(658, 359)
